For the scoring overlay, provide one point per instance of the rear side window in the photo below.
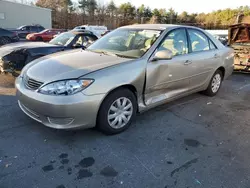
(33, 29)
(198, 41)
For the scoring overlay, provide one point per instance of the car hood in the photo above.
(6, 49)
(70, 64)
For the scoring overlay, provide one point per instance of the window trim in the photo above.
(208, 39)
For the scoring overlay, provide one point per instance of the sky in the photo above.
(191, 6)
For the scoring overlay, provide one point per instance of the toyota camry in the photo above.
(127, 71)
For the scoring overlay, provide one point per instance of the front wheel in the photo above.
(117, 112)
(215, 84)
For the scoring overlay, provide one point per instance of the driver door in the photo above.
(168, 78)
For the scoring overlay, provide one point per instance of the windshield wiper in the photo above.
(102, 52)
(108, 53)
(125, 56)
(112, 54)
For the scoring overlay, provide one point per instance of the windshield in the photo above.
(63, 39)
(128, 43)
(20, 27)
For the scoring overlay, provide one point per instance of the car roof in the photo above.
(80, 32)
(155, 26)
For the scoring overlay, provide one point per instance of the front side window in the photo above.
(130, 43)
(199, 41)
(176, 42)
(26, 28)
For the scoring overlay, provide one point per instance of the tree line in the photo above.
(67, 14)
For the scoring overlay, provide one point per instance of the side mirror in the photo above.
(163, 55)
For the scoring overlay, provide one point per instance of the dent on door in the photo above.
(164, 80)
(157, 78)
(167, 79)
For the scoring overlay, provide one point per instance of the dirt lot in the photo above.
(196, 141)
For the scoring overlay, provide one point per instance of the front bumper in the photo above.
(59, 112)
(5, 67)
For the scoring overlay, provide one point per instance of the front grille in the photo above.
(32, 84)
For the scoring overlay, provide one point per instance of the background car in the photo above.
(45, 35)
(14, 57)
(82, 30)
(97, 30)
(7, 37)
(106, 32)
(132, 69)
(23, 31)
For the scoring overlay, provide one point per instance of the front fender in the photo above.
(108, 79)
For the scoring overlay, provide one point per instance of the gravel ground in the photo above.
(196, 141)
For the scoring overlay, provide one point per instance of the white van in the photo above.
(97, 30)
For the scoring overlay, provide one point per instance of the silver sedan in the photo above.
(128, 71)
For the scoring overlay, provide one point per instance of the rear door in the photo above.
(166, 79)
(204, 58)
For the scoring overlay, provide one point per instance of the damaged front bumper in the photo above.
(8, 67)
(242, 62)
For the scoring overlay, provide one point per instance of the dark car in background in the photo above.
(14, 57)
(24, 30)
(45, 35)
(7, 37)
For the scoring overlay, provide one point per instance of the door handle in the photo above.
(187, 62)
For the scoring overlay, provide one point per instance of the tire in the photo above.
(213, 87)
(4, 40)
(124, 115)
(39, 39)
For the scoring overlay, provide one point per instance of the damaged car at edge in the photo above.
(13, 57)
(239, 40)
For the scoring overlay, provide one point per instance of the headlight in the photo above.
(65, 87)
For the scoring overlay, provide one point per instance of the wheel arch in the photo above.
(130, 87)
(223, 70)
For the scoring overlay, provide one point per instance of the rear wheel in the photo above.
(117, 112)
(4, 40)
(215, 84)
